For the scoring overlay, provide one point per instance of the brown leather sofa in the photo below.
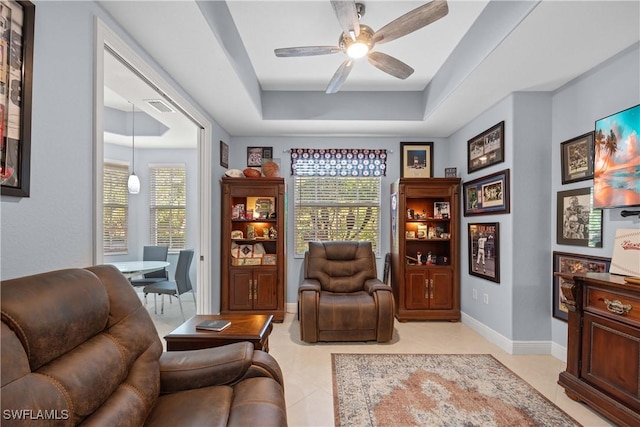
(341, 297)
(78, 347)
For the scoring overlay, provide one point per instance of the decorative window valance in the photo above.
(338, 162)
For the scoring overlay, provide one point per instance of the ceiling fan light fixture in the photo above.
(360, 46)
(357, 50)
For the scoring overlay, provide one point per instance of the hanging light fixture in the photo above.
(134, 182)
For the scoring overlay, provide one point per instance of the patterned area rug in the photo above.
(436, 390)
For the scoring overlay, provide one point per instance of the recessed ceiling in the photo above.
(222, 54)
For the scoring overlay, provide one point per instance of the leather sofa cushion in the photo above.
(340, 312)
(340, 266)
(34, 313)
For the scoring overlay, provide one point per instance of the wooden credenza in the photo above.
(603, 348)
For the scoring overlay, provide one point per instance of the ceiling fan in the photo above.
(357, 40)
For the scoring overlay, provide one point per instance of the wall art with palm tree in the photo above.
(617, 160)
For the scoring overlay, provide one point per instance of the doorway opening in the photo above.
(133, 102)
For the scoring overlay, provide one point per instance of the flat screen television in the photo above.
(616, 169)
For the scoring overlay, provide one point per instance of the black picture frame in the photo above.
(564, 262)
(224, 154)
(16, 51)
(488, 195)
(486, 149)
(484, 250)
(578, 222)
(577, 158)
(416, 159)
(258, 155)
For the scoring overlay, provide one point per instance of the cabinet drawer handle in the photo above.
(617, 307)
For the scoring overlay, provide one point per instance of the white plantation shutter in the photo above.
(168, 206)
(337, 208)
(115, 208)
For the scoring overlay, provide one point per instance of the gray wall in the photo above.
(53, 228)
(606, 89)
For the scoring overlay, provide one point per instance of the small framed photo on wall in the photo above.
(572, 263)
(258, 155)
(577, 158)
(578, 223)
(224, 154)
(486, 149)
(416, 159)
(484, 250)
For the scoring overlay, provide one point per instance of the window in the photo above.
(115, 208)
(337, 195)
(168, 206)
(336, 208)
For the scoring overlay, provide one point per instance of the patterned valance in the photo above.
(338, 162)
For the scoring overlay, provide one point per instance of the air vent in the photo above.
(160, 105)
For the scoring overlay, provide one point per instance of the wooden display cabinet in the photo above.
(425, 272)
(603, 344)
(253, 262)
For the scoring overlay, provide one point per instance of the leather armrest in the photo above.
(309, 285)
(190, 369)
(374, 285)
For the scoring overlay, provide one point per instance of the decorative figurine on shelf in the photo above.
(272, 233)
(419, 257)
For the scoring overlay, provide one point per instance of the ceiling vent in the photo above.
(160, 105)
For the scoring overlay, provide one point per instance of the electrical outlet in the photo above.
(475, 294)
(485, 298)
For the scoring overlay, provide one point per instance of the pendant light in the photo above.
(134, 182)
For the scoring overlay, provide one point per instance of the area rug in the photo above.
(436, 390)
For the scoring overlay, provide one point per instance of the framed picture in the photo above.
(486, 149)
(16, 77)
(572, 263)
(416, 159)
(257, 155)
(269, 259)
(441, 210)
(487, 195)
(578, 223)
(224, 155)
(450, 172)
(577, 158)
(484, 250)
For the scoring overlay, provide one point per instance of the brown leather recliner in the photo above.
(341, 297)
(78, 347)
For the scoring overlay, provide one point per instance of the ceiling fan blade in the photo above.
(339, 77)
(347, 16)
(306, 51)
(390, 65)
(412, 21)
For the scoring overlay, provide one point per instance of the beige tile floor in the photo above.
(307, 367)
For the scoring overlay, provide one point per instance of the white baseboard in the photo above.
(559, 351)
(291, 307)
(510, 346)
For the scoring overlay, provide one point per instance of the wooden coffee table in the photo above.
(244, 327)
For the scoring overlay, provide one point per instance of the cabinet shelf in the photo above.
(268, 220)
(426, 291)
(248, 285)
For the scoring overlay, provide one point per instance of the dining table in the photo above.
(134, 268)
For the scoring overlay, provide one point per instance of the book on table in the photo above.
(213, 325)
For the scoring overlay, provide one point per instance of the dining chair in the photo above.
(181, 285)
(153, 253)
